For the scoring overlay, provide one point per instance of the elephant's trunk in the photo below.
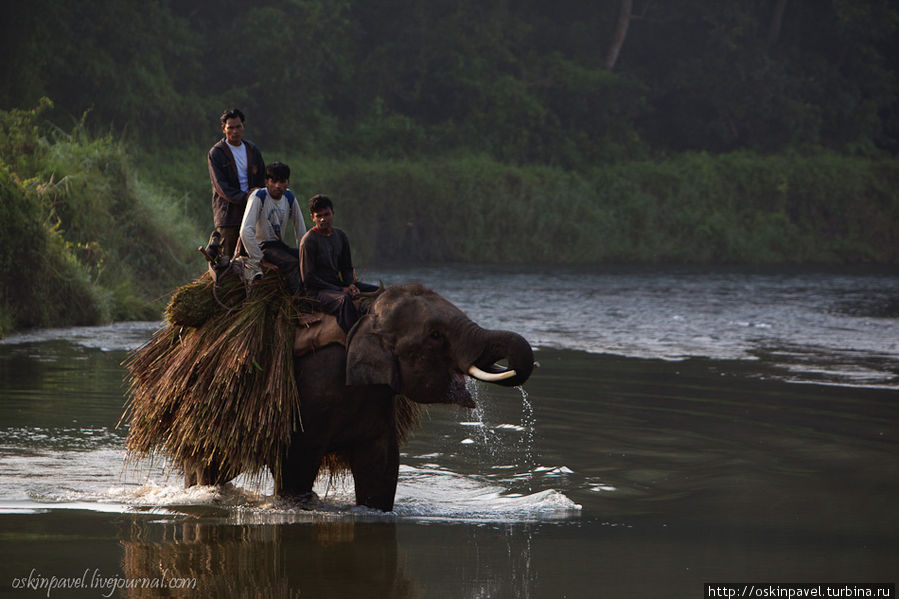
(502, 346)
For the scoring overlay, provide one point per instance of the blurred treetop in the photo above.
(566, 83)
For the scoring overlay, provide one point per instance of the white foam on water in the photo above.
(511, 427)
(154, 493)
(554, 470)
(602, 488)
(441, 494)
(100, 480)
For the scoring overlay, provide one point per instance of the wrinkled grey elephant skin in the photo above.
(413, 343)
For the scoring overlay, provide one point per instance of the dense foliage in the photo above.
(525, 81)
(82, 239)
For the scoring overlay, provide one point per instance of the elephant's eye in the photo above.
(435, 334)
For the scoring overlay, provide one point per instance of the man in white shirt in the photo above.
(235, 168)
(264, 223)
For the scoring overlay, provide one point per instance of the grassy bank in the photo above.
(83, 238)
(693, 208)
(738, 208)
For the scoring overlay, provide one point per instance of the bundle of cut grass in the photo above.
(192, 304)
(195, 303)
(221, 395)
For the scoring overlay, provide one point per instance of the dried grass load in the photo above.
(215, 387)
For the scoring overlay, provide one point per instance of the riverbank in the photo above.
(96, 231)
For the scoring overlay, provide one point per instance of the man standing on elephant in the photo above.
(326, 265)
(235, 168)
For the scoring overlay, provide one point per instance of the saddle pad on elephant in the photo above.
(315, 331)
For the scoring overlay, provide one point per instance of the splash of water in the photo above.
(488, 441)
(526, 441)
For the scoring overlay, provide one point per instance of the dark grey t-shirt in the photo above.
(325, 260)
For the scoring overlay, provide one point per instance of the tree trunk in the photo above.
(776, 22)
(624, 20)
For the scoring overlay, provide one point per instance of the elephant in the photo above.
(413, 344)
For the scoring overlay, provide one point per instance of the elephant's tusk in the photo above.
(490, 377)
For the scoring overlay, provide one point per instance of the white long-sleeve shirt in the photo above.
(265, 219)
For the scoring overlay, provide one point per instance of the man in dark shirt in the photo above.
(235, 169)
(326, 265)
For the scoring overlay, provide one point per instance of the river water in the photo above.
(684, 427)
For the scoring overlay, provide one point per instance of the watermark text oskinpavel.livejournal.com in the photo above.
(96, 580)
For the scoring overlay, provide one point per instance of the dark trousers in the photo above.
(287, 260)
(229, 239)
(341, 304)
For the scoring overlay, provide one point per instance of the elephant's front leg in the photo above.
(299, 471)
(375, 470)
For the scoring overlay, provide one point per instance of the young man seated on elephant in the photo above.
(265, 219)
(326, 265)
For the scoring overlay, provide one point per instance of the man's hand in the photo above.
(352, 291)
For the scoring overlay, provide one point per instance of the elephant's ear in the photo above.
(368, 361)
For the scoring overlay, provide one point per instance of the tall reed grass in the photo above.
(699, 208)
(83, 237)
(691, 208)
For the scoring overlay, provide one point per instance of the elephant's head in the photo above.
(422, 346)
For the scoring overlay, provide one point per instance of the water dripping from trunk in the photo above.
(486, 436)
(526, 441)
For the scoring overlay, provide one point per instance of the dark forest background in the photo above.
(637, 131)
(567, 83)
